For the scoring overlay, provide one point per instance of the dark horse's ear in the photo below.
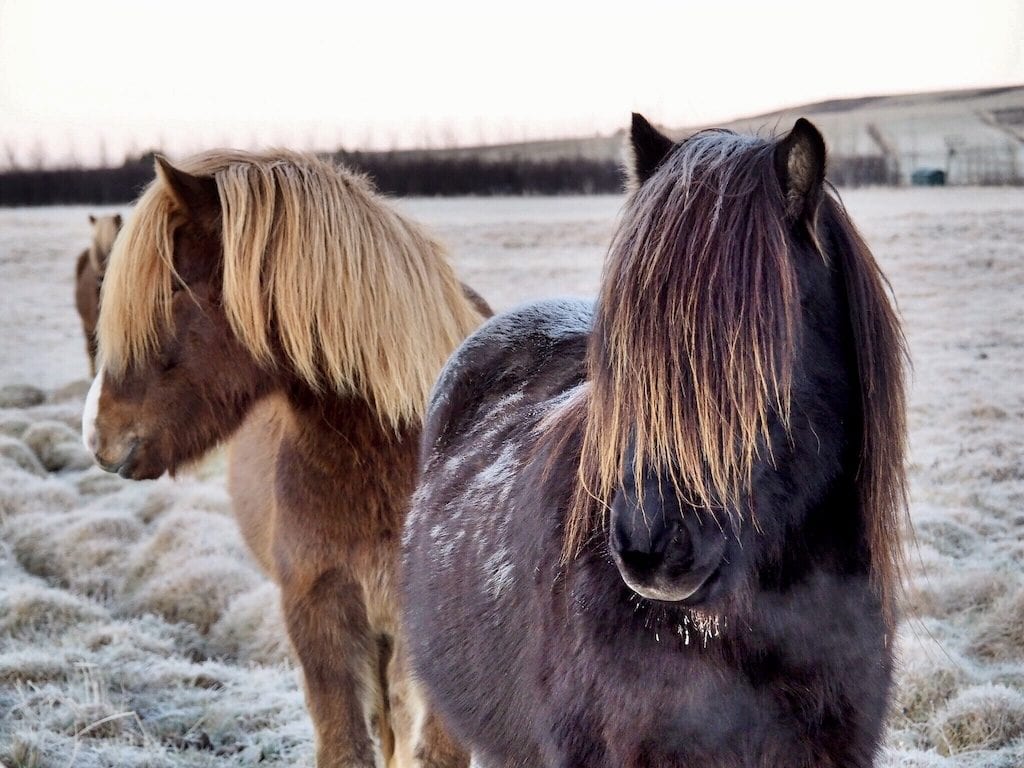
(192, 193)
(647, 148)
(800, 165)
(117, 220)
(92, 219)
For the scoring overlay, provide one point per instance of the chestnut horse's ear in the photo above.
(92, 219)
(192, 193)
(800, 165)
(647, 148)
(117, 220)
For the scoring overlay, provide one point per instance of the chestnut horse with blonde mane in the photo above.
(89, 269)
(667, 526)
(279, 296)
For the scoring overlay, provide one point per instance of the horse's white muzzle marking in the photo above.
(92, 407)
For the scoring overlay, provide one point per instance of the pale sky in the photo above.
(189, 74)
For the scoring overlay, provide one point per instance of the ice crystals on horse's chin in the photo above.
(705, 625)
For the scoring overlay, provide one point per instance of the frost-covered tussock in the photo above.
(134, 628)
(955, 269)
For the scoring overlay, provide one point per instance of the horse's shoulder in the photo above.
(509, 344)
(536, 345)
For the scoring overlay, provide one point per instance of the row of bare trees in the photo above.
(420, 173)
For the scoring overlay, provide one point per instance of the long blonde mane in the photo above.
(357, 297)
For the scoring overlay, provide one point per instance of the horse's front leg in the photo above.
(421, 740)
(327, 622)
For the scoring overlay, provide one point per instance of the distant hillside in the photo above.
(975, 135)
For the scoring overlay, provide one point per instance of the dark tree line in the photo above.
(410, 174)
(394, 173)
(70, 186)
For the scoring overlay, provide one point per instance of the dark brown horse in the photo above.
(279, 296)
(665, 530)
(92, 263)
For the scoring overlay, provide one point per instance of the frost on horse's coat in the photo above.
(663, 529)
(486, 479)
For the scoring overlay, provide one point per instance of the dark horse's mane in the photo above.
(694, 341)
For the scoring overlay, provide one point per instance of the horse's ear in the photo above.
(192, 193)
(647, 148)
(117, 220)
(92, 219)
(800, 165)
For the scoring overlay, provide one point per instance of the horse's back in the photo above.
(511, 352)
(252, 461)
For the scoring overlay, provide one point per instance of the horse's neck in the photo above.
(95, 259)
(338, 446)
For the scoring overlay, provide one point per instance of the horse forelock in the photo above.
(695, 336)
(312, 255)
(137, 285)
(694, 333)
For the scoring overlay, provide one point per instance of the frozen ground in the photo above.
(136, 631)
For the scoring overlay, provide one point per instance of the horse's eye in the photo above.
(168, 360)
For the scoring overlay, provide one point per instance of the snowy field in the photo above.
(135, 630)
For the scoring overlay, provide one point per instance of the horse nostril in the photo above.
(645, 546)
(679, 551)
(647, 536)
(640, 563)
(631, 533)
(109, 466)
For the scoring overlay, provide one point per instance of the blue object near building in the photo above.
(928, 177)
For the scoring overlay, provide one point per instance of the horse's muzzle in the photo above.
(665, 553)
(123, 465)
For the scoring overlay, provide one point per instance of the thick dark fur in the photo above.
(786, 661)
